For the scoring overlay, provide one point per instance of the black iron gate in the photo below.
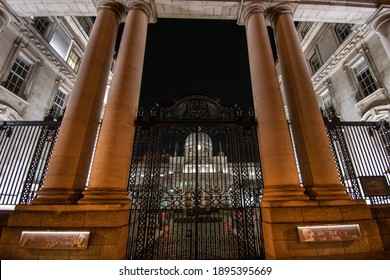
(195, 183)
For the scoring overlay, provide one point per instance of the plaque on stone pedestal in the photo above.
(54, 239)
(329, 233)
(374, 185)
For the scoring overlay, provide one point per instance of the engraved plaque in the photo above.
(54, 239)
(329, 233)
(374, 185)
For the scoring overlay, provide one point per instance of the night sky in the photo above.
(185, 55)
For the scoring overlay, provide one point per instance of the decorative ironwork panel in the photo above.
(361, 151)
(25, 150)
(196, 107)
(195, 186)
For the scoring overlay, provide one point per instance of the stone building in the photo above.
(349, 68)
(305, 215)
(40, 57)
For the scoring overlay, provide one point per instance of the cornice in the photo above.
(44, 48)
(342, 53)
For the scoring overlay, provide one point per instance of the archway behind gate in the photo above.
(195, 183)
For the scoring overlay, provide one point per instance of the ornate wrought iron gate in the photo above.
(195, 183)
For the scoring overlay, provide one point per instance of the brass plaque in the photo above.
(329, 233)
(374, 185)
(54, 239)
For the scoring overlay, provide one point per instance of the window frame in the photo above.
(318, 63)
(27, 80)
(74, 50)
(340, 34)
(362, 92)
(57, 108)
(305, 29)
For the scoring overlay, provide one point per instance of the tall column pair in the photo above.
(69, 167)
(317, 166)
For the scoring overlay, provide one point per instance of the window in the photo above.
(365, 79)
(305, 29)
(326, 100)
(74, 60)
(59, 103)
(86, 23)
(17, 76)
(41, 24)
(315, 62)
(342, 31)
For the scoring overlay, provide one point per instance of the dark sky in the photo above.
(185, 55)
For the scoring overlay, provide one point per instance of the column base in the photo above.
(284, 193)
(110, 196)
(327, 192)
(57, 196)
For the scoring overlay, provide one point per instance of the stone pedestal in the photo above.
(107, 226)
(281, 219)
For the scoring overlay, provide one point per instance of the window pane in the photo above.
(41, 24)
(365, 79)
(315, 62)
(17, 75)
(59, 103)
(306, 29)
(343, 30)
(74, 60)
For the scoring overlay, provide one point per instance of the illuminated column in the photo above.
(280, 173)
(4, 19)
(68, 170)
(381, 25)
(317, 166)
(110, 170)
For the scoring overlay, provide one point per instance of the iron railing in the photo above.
(25, 150)
(361, 151)
(362, 154)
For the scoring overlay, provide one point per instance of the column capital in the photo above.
(115, 6)
(381, 17)
(274, 12)
(248, 9)
(143, 6)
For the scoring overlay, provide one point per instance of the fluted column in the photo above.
(381, 25)
(109, 176)
(4, 19)
(317, 166)
(280, 173)
(68, 170)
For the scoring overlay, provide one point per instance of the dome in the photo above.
(204, 144)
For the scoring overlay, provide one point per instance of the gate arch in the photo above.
(195, 183)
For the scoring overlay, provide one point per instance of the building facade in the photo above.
(349, 65)
(40, 57)
(292, 203)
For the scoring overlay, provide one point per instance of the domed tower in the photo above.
(204, 145)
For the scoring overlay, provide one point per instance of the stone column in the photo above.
(69, 166)
(317, 166)
(110, 170)
(280, 173)
(381, 25)
(4, 19)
